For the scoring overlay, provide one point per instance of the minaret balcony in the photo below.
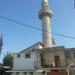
(45, 13)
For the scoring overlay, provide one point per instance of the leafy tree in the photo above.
(8, 60)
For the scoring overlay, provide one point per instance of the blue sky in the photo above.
(17, 37)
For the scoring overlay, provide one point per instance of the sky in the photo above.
(17, 37)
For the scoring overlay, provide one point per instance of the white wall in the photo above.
(23, 63)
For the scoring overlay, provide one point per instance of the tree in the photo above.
(8, 60)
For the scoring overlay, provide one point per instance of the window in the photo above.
(17, 73)
(68, 56)
(33, 49)
(25, 73)
(31, 73)
(43, 72)
(18, 55)
(27, 55)
(74, 55)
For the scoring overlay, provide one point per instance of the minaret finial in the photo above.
(45, 0)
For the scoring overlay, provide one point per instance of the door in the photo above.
(56, 60)
(42, 60)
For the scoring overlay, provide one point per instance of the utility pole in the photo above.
(1, 42)
(74, 3)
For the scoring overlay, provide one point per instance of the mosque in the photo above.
(42, 58)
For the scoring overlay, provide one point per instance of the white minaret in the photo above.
(45, 15)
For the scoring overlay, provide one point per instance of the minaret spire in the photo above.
(45, 15)
(45, 1)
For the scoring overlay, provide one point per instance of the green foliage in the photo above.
(8, 60)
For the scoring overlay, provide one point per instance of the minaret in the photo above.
(45, 15)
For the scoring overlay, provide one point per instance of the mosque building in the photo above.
(42, 58)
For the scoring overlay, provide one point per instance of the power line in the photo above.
(11, 20)
(19, 23)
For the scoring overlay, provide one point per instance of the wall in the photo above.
(49, 56)
(71, 59)
(23, 63)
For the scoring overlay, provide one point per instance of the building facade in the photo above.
(43, 58)
(38, 60)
